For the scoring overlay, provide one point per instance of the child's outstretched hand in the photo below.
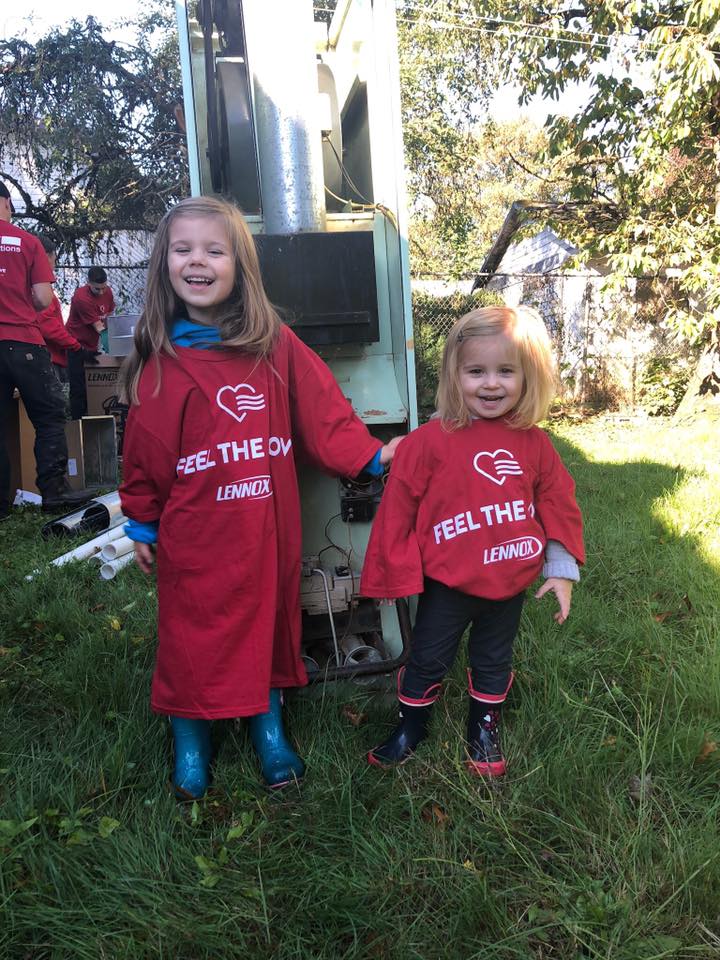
(388, 451)
(144, 556)
(563, 591)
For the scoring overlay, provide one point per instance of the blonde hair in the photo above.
(525, 327)
(248, 321)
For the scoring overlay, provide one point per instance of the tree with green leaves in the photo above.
(463, 169)
(92, 124)
(643, 153)
(638, 166)
(460, 199)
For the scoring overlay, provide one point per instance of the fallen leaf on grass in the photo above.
(434, 813)
(355, 717)
(115, 624)
(662, 617)
(709, 747)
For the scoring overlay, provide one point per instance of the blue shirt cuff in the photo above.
(142, 532)
(374, 467)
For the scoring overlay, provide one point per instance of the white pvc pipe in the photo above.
(85, 550)
(117, 548)
(109, 570)
(90, 548)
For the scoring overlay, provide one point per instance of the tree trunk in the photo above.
(703, 393)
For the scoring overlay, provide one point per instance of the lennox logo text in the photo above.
(522, 548)
(253, 488)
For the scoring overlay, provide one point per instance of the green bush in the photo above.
(663, 383)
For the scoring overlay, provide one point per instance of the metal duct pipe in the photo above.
(281, 55)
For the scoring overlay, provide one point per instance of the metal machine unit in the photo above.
(299, 122)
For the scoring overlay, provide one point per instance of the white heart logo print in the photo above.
(240, 399)
(502, 462)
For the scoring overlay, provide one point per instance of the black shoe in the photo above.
(58, 497)
(484, 751)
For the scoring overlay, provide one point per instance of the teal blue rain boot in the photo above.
(279, 763)
(192, 757)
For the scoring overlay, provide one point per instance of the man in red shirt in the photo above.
(90, 307)
(25, 287)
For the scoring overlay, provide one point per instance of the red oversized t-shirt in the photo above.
(85, 310)
(212, 457)
(23, 262)
(54, 332)
(472, 508)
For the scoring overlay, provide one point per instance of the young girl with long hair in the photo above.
(477, 504)
(222, 393)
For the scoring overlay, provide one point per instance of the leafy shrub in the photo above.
(662, 385)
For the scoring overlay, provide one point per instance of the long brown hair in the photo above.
(248, 321)
(527, 330)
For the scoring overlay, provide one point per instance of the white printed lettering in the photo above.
(495, 514)
(471, 523)
(447, 529)
(523, 548)
(487, 513)
(254, 488)
(278, 445)
(502, 512)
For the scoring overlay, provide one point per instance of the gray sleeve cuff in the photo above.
(559, 562)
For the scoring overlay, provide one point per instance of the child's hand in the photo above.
(563, 591)
(388, 451)
(145, 556)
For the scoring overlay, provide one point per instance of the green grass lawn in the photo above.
(602, 842)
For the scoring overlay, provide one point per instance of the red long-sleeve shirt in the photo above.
(55, 334)
(211, 455)
(472, 508)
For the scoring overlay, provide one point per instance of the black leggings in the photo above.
(442, 617)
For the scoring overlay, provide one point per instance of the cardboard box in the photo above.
(20, 440)
(102, 381)
(92, 451)
(102, 384)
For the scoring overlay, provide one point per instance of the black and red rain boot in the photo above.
(484, 751)
(411, 731)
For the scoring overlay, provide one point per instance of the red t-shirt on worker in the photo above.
(85, 310)
(57, 339)
(23, 263)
